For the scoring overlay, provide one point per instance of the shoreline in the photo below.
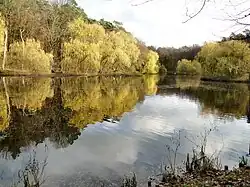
(212, 79)
(206, 79)
(22, 74)
(224, 80)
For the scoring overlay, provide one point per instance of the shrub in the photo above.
(29, 57)
(188, 67)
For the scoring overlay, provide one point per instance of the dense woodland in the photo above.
(44, 36)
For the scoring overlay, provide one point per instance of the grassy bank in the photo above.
(235, 177)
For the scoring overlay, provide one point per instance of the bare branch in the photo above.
(144, 2)
(198, 12)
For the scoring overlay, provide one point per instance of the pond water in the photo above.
(78, 131)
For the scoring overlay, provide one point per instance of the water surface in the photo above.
(78, 131)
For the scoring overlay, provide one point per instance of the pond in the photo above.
(76, 131)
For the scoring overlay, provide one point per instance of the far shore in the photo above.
(60, 74)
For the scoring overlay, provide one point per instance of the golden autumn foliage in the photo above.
(29, 57)
(92, 50)
(151, 63)
(2, 27)
(80, 57)
(185, 66)
(226, 59)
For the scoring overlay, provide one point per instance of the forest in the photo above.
(40, 36)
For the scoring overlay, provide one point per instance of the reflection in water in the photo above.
(133, 119)
(32, 175)
(58, 108)
(225, 100)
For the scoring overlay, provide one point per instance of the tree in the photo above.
(240, 15)
(81, 58)
(188, 67)
(93, 50)
(29, 56)
(226, 59)
(151, 64)
(169, 57)
(82, 54)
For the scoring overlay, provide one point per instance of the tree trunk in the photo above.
(5, 48)
(7, 96)
(21, 35)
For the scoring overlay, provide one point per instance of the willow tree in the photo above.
(151, 64)
(82, 53)
(188, 67)
(119, 52)
(226, 59)
(29, 56)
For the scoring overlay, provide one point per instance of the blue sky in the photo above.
(159, 23)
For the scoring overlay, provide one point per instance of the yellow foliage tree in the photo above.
(29, 56)
(86, 33)
(2, 28)
(82, 54)
(119, 53)
(185, 66)
(225, 59)
(80, 57)
(91, 50)
(151, 64)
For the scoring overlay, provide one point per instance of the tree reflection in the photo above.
(57, 109)
(95, 99)
(223, 99)
(33, 174)
(27, 126)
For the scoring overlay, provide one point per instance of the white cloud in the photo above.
(159, 22)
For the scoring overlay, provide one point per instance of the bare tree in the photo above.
(238, 10)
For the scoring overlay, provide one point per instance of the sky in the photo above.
(160, 22)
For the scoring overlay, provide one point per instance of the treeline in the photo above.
(227, 59)
(244, 36)
(169, 56)
(44, 36)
